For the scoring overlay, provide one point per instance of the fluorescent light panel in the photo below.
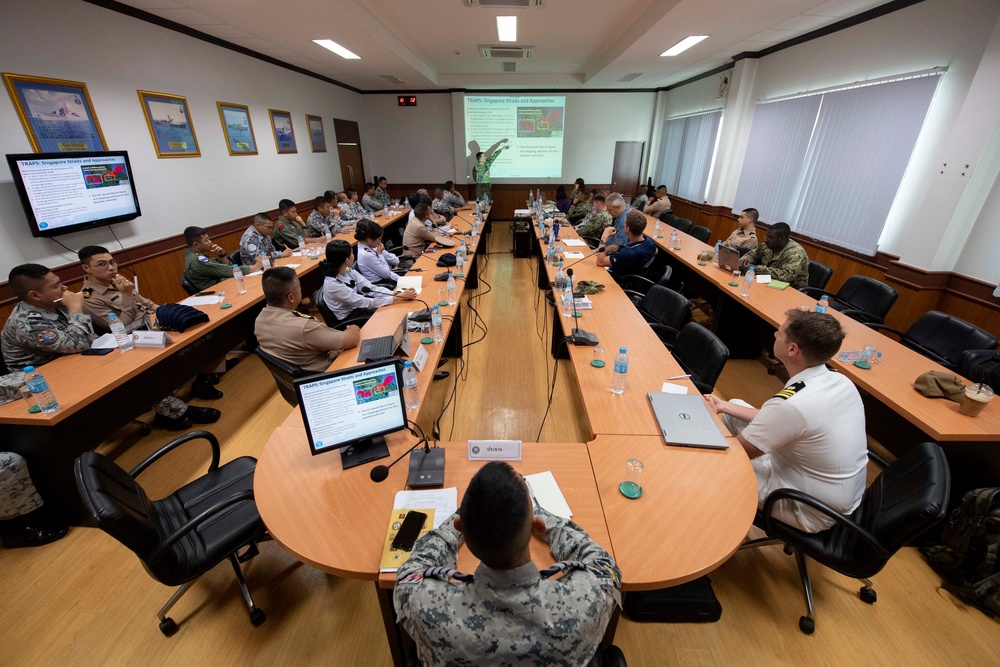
(507, 28)
(683, 45)
(337, 48)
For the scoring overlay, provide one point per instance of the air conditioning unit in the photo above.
(506, 52)
(503, 3)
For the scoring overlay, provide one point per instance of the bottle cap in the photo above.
(621, 350)
(407, 364)
(111, 316)
(29, 369)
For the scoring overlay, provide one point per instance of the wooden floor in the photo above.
(85, 600)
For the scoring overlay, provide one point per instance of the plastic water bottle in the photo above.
(715, 257)
(560, 278)
(121, 336)
(436, 324)
(328, 234)
(555, 230)
(302, 245)
(531, 196)
(550, 254)
(451, 290)
(265, 261)
(460, 260)
(822, 304)
(39, 388)
(748, 281)
(657, 229)
(846, 355)
(238, 277)
(567, 301)
(411, 395)
(674, 242)
(621, 370)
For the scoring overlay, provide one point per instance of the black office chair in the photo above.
(819, 275)
(981, 366)
(593, 242)
(865, 299)
(942, 337)
(743, 250)
(641, 284)
(235, 257)
(664, 306)
(183, 536)
(188, 287)
(680, 224)
(703, 234)
(608, 656)
(284, 374)
(700, 353)
(909, 497)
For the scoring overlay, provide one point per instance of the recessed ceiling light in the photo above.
(337, 48)
(683, 45)
(507, 28)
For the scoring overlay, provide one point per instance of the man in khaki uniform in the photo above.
(416, 235)
(299, 339)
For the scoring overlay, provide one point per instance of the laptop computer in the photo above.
(382, 347)
(685, 420)
(729, 258)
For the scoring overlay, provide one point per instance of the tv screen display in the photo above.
(67, 192)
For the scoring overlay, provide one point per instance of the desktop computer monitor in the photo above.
(352, 409)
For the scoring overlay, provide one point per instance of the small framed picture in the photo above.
(284, 134)
(238, 128)
(316, 135)
(170, 124)
(57, 115)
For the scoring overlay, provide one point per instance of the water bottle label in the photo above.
(621, 367)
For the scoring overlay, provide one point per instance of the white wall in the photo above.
(950, 33)
(63, 40)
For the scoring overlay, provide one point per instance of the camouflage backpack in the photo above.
(968, 555)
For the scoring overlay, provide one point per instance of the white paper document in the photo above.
(291, 266)
(573, 255)
(443, 501)
(543, 486)
(105, 342)
(574, 243)
(406, 282)
(674, 388)
(200, 300)
(253, 273)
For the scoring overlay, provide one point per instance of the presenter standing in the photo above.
(481, 171)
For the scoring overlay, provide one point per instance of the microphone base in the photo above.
(426, 468)
(581, 337)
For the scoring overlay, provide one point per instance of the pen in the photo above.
(680, 377)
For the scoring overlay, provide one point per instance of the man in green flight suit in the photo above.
(481, 172)
(205, 263)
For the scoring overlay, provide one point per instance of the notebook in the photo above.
(686, 421)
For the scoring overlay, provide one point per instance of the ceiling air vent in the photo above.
(503, 3)
(506, 52)
(392, 79)
(509, 66)
(630, 77)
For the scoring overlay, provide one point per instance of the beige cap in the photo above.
(935, 384)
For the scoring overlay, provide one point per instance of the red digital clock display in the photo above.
(407, 101)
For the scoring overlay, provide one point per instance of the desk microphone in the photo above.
(426, 467)
(416, 315)
(379, 473)
(578, 335)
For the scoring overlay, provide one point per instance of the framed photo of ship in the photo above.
(238, 128)
(170, 124)
(284, 134)
(57, 115)
(316, 135)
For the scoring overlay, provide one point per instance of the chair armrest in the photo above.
(820, 506)
(879, 461)
(359, 321)
(930, 354)
(635, 296)
(862, 316)
(815, 291)
(193, 523)
(883, 328)
(177, 442)
(661, 329)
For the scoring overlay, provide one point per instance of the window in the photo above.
(830, 163)
(687, 152)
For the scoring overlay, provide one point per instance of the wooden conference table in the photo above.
(99, 394)
(695, 510)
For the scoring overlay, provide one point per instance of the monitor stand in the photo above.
(363, 451)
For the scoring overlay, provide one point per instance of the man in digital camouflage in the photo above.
(779, 257)
(508, 612)
(257, 241)
(24, 521)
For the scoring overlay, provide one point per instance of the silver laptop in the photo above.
(685, 420)
(729, 258)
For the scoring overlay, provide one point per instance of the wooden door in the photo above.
(352, 168)
(627, 168)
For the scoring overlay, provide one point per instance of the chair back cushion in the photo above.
(819, 275)
(284, 374)
(947, 336)
(116, 503)
(701, 353)
(187, 286)
(666, 306)
(683, 225)
(701, 233)
(328, 317)
(867, 295)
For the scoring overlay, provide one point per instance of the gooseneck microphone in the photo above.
(588, 255)
(379, 473)
(578, 335)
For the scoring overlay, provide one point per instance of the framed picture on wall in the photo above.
(170, 124)
(238, 128)
(284, 134)
(316, 135)
(57, 115)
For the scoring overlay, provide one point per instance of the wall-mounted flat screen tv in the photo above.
(67, 192)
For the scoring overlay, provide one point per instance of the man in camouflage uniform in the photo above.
(323, 218)
(256, 241)
(780, 257)
(289, 227)
(580, 208)
(452, 197)
(481, 172)
(440, 206)
(24, 521)
(596, 221)
(370, 201)
(41, 329)
(207, 264)
(508, 613)
(351, 209)
(382, 192)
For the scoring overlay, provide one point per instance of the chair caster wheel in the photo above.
(807, 625)
(257, 617)
(168, 627)
(868, 595)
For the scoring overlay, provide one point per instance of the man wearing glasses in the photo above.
(256, 240)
